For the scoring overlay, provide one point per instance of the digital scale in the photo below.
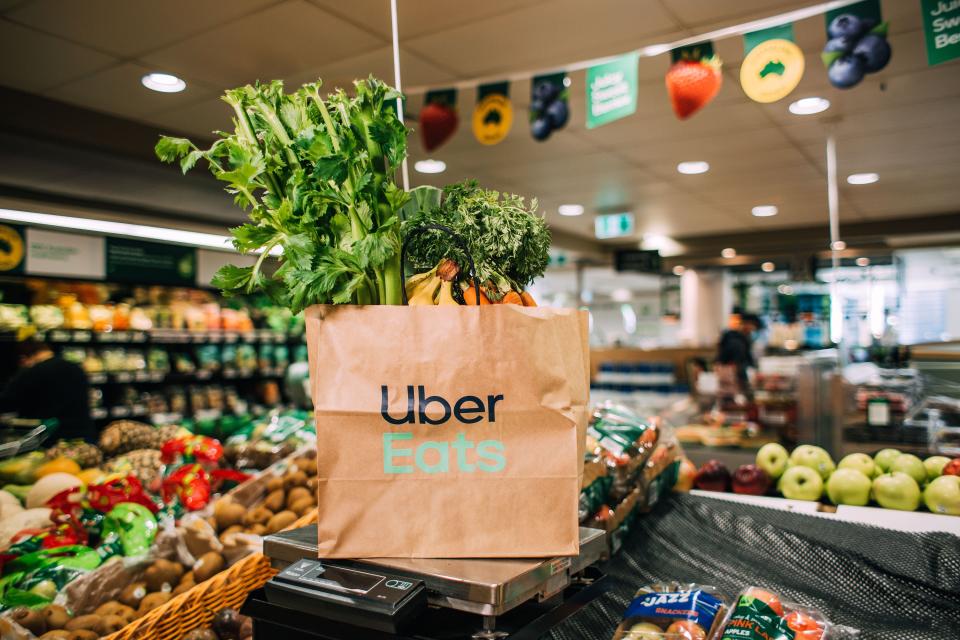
(419, 598)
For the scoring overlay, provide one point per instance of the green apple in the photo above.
(859, 462)
(645, 631)
(911, 465)
(807, 455)
(849, 486)
(772, 458)
(897, 491)
(942, 495)
(885, 457)
(801, 483)
(934, 466)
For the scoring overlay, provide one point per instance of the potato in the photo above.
(306, 465)
(274, 500)
(208, 566)
(34, 621)
(133, 593)
(56, 634)
(294, 479)
(257, 529)
(312, 484)
(229, 531)
(151, 601)
(108, 608)
(57, 616)
(260, 515)
(280, 521)
(274, 484)
(302, 506)
(111, 624)
(188, 577)
(90, 621)
(296, 494)
(162, 575)
(183, 587)
(83, 634)
(228, 513)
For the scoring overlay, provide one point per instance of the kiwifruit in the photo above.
(302, 506)
(127, 613)
(34, 621)
(294, 479)
(207, 566)
(56, 634)
(295, 494)
(162, 575)
(107, 608)
(90, 621)
(274, 483)
(312, 484)
(133, 593)
(227, 513)
(257, 529)
(229, 531)
(280, 521)
(183, 587)
(83, 634)
(274, 500)
(153, 600)
(260, 515)
(111, 624)
(57, 616)
(188, 577)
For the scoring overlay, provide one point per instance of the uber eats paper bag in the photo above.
(448, 432)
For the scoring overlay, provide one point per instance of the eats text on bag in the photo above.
(434, 456)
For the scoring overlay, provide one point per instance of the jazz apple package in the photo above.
(758, 614)
(671, 611)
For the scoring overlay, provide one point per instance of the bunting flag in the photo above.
(438, 117)
(493, 115)
(941, 30)
(856, 43)
(693, 79)
(772, 65)
(548, 104)
(612, 90)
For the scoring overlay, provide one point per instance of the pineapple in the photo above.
(83, 453)
(122, 436)
(145, 464)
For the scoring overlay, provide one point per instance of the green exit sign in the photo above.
(614, 225)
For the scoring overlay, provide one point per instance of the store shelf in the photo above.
(153, 336)
(158, 377)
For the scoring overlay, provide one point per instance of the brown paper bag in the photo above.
(448, 432)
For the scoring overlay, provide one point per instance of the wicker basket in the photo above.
(194, 609)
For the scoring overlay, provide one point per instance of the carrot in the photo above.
(512, 297)
(470, 296)
(528, 300)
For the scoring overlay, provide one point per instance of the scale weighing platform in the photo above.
(420, 598)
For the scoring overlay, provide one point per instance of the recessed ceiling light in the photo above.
(838, 245)
(693, 167)
(729, 252)
(809, 106)
(768, 266)
(570, 209)
(679, 269)
(862, 178)
(163, 82)
(863, 262)
(764, 210)
(430, 166)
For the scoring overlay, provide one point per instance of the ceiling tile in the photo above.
(283, 40)
(378, 62)
(51, 60)
(129, 29)
(199, 119)
(118, 90)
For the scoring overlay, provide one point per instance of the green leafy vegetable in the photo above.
(508, 240)
(317, 178)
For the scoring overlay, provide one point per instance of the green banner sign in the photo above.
(941, 29)
(150, 262)
(611, 90)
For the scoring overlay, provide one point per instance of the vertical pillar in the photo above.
(706, 300)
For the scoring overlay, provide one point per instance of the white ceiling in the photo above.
(902, 122)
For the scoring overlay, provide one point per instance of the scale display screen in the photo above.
(342, 579)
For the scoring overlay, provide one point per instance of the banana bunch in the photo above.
(434, 287)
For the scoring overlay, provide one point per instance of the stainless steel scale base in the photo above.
(483, 587)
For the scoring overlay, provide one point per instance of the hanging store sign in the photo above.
(493, 115)
(50, 253)
(138, 261)
(941, 29)
(773, 64)
(612, 90)
(615, 225)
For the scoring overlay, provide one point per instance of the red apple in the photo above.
(800, 621)
(713, 476)
(688, 630)
(771, 599)
(685, 476)
(952, 468)
(751, 480)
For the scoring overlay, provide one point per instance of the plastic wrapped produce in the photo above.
(671, 610)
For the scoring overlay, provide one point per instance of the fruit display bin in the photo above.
(195, 609)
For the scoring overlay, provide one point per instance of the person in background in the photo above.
(47, 386)
(735, 348)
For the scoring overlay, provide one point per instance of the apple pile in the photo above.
(891, 478)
